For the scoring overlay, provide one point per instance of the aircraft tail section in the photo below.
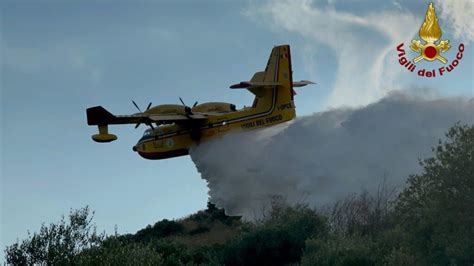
(278, 74)
(278, 69)
(273, 88)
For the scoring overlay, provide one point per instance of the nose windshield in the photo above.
(147, 133)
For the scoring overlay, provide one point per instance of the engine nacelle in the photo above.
(167, 109)
(214, 107)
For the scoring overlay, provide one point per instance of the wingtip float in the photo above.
(173, 128)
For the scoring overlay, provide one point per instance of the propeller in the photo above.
(134, 103)
(148, 107)
(187, 109)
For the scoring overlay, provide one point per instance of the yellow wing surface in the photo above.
(99, 116)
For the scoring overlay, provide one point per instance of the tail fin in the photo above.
(98, 115)
(278, 71)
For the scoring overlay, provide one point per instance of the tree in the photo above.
(437, 207)
(161, 229)
(364, 213)
(57, 243)
(278, 240)
(432, 222)
(113, 251)
(75, 241)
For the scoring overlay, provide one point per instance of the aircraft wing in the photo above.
(98, 115)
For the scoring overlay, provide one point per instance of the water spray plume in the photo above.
(324, 157)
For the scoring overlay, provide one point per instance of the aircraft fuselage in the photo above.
(167, 141)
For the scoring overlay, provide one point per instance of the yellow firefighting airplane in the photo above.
(175, 128)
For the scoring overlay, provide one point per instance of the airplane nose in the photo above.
(134, 148)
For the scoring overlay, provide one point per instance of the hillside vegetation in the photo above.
(430, 222)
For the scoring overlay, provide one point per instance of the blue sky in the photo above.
(58, 58)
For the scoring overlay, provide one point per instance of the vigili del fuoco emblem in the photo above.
(430, 33)
(429, 48)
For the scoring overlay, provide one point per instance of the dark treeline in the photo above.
(430, 222)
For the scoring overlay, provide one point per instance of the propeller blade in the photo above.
(148, 107)
(134, 103)
(196, 103)
(187, 109)
(137, 125)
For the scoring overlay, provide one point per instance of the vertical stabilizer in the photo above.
(278, 70)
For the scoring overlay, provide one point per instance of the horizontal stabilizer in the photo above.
(302, 83)
(247, 84)
(250, 84)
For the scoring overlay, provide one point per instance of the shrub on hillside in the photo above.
(58, 243)
(116, 252)
(437, 208)
(365, 213)
(161, 229)
(339, 250)
(279, 240)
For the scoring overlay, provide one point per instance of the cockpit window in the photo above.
(147, 133)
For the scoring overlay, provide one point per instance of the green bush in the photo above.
(115, 252)
(161, 229)
(277, 241)
(57, 243)
(339, 250)
(199, 230)
(432, 222)
(173, 253)
(364, 213)
(437, 208)
(212, 214)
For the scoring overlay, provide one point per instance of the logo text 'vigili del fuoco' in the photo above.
(430, 48)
